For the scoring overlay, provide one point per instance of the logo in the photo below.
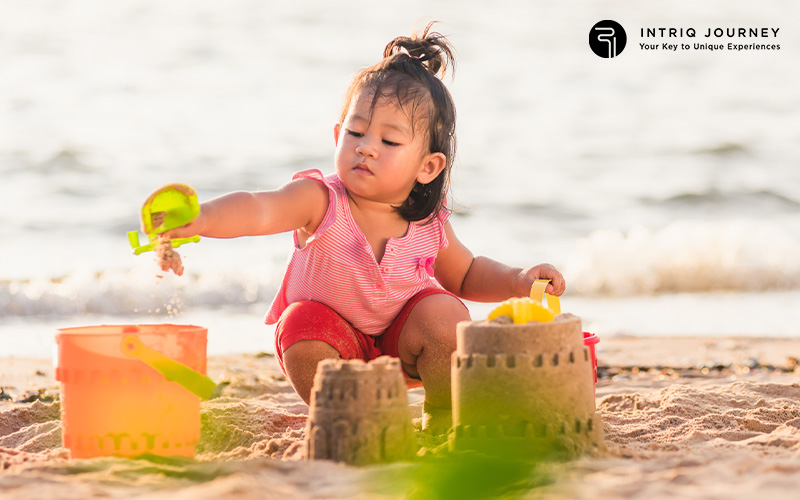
(607, 39)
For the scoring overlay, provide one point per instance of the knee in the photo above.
(302, 357)
(300, 364)
(443, 309)
(435, 318)
(314, 350)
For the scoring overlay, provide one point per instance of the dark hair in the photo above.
(411, 71)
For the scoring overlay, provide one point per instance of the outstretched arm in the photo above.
(300, 204)
(482, 279)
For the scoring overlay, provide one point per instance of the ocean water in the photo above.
(665, 185)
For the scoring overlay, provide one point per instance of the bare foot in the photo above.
(436, 420)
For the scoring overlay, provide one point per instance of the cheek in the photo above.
(346, 144)
(338, 156)
(342, 146)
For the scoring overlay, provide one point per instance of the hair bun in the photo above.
(431, 49)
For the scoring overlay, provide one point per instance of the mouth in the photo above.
(362, 168)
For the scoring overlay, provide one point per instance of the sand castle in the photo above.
(524, 386)
(359, 413)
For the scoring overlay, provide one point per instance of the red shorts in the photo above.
(309, 320)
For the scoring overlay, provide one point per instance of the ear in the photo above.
(432, 166)
(336, 129)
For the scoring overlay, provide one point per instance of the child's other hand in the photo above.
(544, 271)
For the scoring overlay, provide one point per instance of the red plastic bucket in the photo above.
(589, 340)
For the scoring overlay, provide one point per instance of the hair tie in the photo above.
(422, 58)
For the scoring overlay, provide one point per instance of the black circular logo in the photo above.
(607, 39)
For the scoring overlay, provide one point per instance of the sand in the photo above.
(683, 418)
(168, 258)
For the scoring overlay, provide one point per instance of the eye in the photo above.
(354, 133)
(390, 143)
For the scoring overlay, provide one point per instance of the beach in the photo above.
(663, 184)
(684, 417)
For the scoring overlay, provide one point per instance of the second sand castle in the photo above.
(524, 386)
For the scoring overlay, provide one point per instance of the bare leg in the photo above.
(426, 344)
(300, 361)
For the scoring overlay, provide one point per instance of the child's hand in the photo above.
(544, 271)
(186, 231)
(193, 228)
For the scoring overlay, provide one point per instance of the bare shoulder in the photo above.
(313, 197)
(455, 248)
(453, 262)
(308, 187)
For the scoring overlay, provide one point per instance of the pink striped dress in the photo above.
(338, 268)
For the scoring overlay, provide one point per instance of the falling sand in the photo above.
(168, 258)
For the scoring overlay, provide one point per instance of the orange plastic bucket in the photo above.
(114, 404)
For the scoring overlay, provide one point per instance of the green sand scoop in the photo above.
(192, 380)
(169, 207)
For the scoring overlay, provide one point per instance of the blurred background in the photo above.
(665, 185)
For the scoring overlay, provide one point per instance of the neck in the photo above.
(371, 207)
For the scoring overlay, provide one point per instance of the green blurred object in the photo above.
(194, 381)
(172, 206)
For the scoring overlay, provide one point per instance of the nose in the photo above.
(365, 147)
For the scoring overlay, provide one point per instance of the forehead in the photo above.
(385, 109)
(366, 105)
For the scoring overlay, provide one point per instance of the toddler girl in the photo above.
(376, 267)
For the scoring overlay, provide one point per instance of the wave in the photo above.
(130, 293)
(683, 257)
(744, 200)
(686, 256)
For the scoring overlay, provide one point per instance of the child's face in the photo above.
(380, 159)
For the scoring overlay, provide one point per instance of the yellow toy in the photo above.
(525, 309)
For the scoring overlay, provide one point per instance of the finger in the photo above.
(556, 283)
(172, 234)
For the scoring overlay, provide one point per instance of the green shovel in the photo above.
(170, 206)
